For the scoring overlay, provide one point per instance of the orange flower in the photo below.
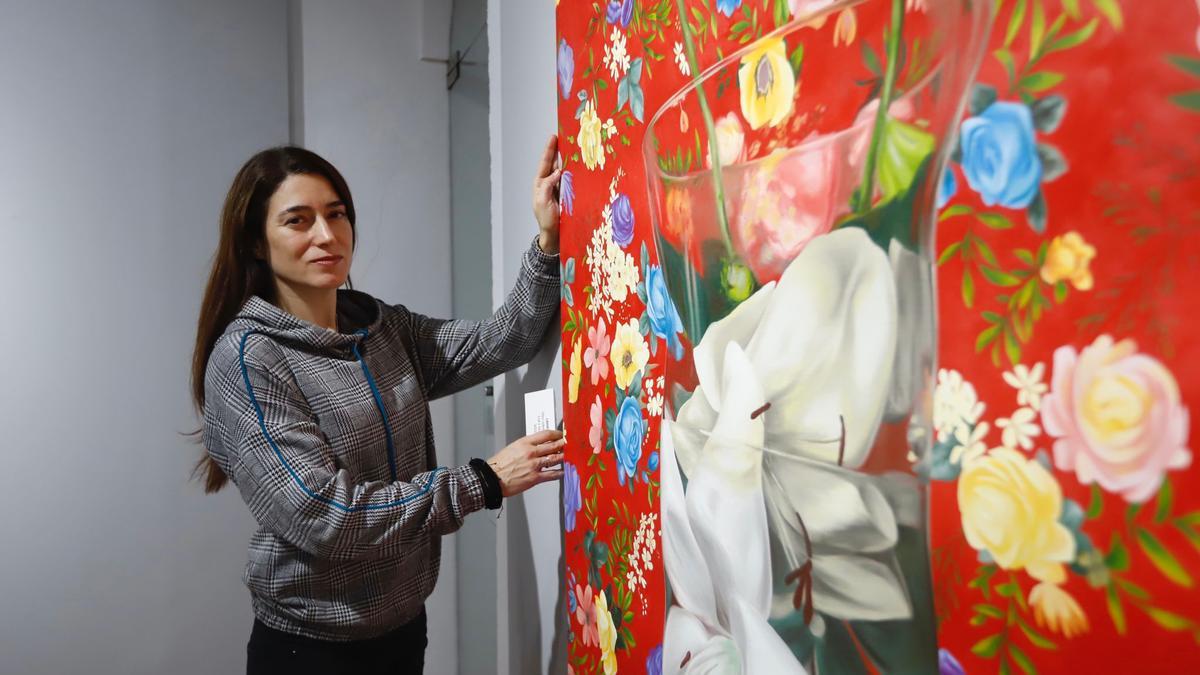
(1055, 609)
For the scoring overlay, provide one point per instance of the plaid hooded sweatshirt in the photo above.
(328, 437)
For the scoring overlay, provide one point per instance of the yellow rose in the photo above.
(608, 635)
(767, 83)
(1010, 507)
(629, 353)
(1067, 259)
(576, 372)
(591, 141)
(1055, 609)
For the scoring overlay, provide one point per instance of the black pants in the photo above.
(399, 652)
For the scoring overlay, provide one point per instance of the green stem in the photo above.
(709, 126)
(885, 101)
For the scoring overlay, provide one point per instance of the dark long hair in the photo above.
(239, 269)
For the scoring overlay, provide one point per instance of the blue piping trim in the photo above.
(387, 426)
(262, 424)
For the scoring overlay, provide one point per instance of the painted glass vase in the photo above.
(793, 187)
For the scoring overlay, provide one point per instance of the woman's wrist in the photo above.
(493, 494)
(548, 243)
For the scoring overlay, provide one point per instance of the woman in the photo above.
(315, 404)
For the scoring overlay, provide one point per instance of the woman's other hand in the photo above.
(545, 197)
(536, 458)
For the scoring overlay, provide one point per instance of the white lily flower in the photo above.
(716, 545)
(821, 344)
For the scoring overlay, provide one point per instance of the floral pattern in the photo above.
(1063, 496)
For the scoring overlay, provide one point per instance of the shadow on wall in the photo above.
(525, 642)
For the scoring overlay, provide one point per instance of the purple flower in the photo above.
(622, 214)
(654, 661)
(948, 665)
(572, 497)
(566, 68)
(727, 7)
(566, 192)
(620, 11)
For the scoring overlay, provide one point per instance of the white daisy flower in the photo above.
(1028, 383)
(1020, 429)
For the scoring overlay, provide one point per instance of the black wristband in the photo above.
(492, 494)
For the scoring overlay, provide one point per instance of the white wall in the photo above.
(523, 107)
(121, 127)
(379, 113)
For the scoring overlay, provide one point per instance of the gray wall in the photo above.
(122, 125)
(523, 105)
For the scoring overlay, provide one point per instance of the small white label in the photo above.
(539, 411)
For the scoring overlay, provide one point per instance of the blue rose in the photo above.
(566, 192)
(664, 318)
(628, 430)
(728, 7)
(999, 155)
(566, 68)
(622, 215)
(572, 496)
(947, 188)
(619, 11)
(948, 665)
(654, 661)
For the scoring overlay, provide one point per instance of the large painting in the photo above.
(781, 456)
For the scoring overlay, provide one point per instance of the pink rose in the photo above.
(1118, 418)
(596, 356)
(596, 433)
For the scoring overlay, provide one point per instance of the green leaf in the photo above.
(797, 59)
(1169, 620)
(1164, 502)
(1060, 292)
(985, 251)
(989, 646)
(1054, 164)
(1188, 101)
(1041, 81)
(1037, 215)
(1008, 589)
(999, 277)
(1163, 559)
(903, 150)
(955, 210)
(949, 252)
(1111, 11)
(968, 289)
(871, 59)
(982, 96)
(990, 611)
(1187, 64)
(1006, 59)
(1133, 589)
(1071, 7)
(1035, 638)
(1021, 659)
(1014, 22)
(986, 337)
(1096, 505)
(1011, 349)
(996, 221)
(1037, 29)
(1115, 609)
(1024, 256)
(1118, 556)
(1048, 113)
(1073, 39)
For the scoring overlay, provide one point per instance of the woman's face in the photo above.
(309, 238)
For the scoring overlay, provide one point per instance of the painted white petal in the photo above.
(914, 311)
(684, 634)
(738, 327)
(858, 588)
(763, 651)
(690, 431)
(686, 570)
(842, 511)
(725, 499)
(718, 656)
(826, 346)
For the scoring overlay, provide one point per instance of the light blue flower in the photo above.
(566, 192)
(948, 665)
(664, 318)
(999, 155)
(572, 496)
(566, 68)
(622, 216)
(728, 7)
(948, 187)
(619, 11)
(654, 661)
(628, 430)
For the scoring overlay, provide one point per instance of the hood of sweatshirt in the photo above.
(358, 316)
